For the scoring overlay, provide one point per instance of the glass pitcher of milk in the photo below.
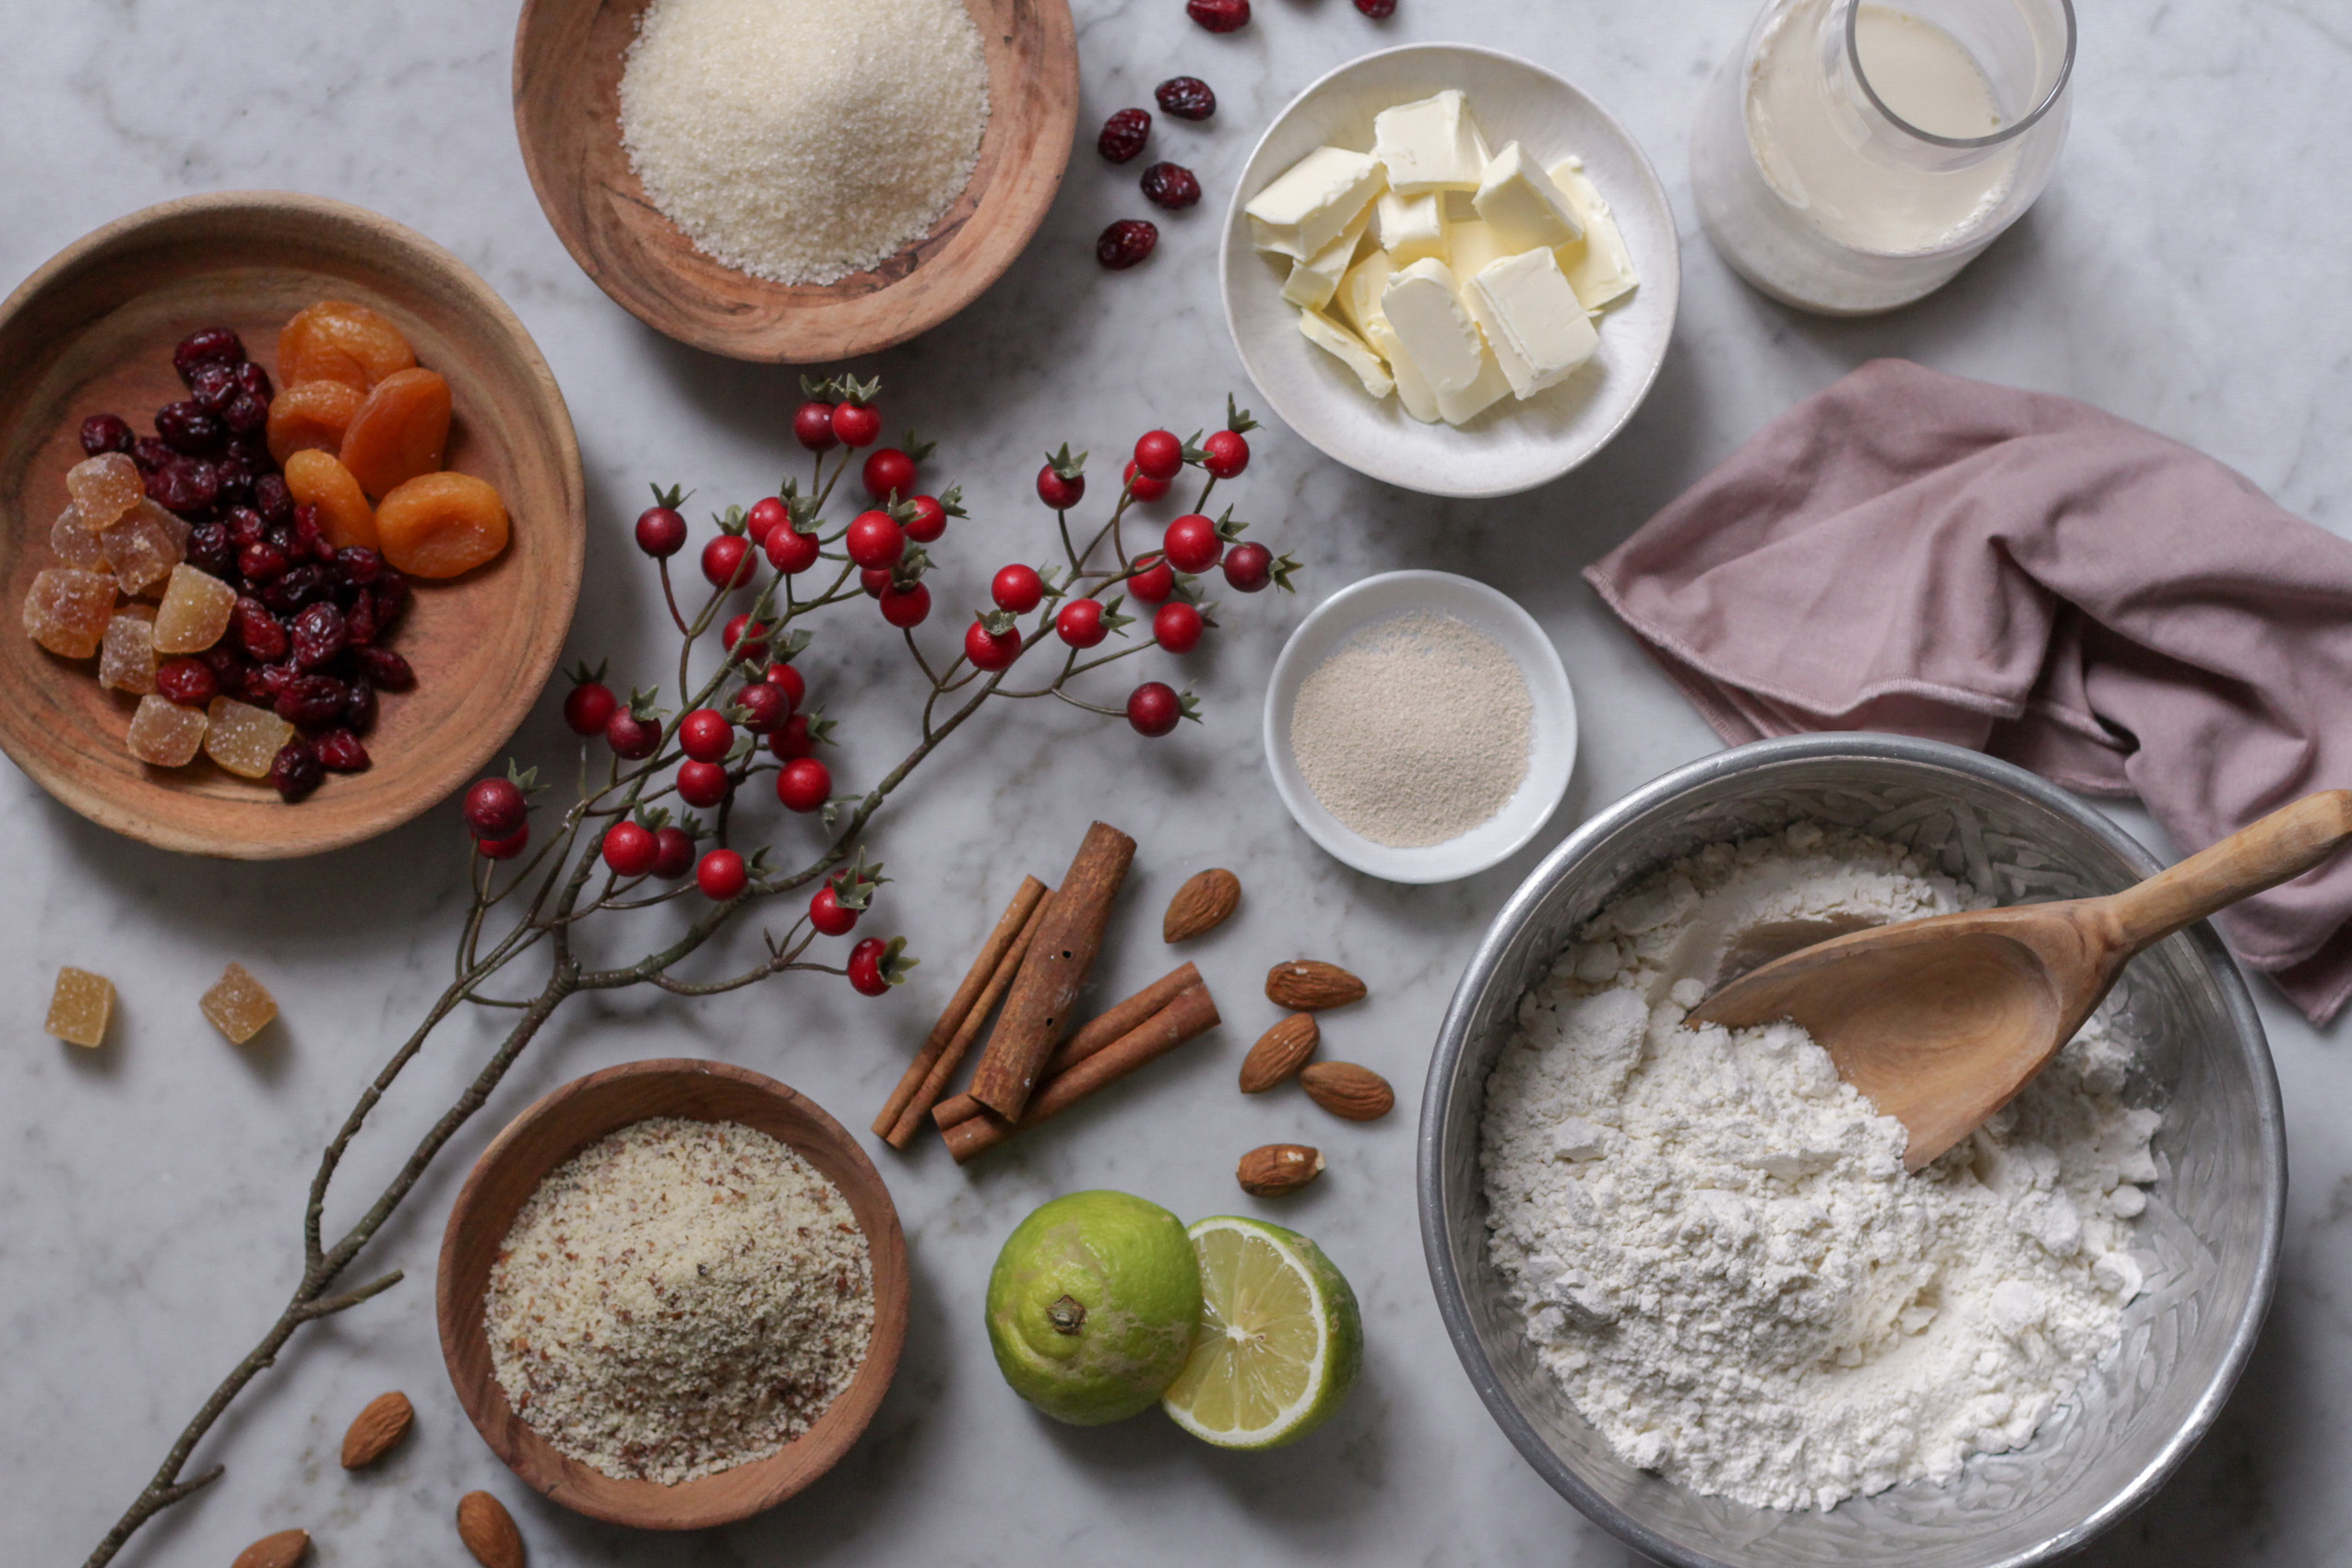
(1858, 153)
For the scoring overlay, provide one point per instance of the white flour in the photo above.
(1713, 1240)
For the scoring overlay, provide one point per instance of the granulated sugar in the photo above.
(1415, 730)
(803, 141)
(677, 1298)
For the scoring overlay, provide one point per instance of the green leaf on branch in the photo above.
(853, 886)
(1237, 419)
(916, 450)
(1286, 566)
(896, 965)
(1064, 463)
(581, 674)
(673, 497)
(998, 622)
(731, 521)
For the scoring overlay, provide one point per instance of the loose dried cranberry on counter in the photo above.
(1377, 10)
(1125, 244)
(1187, 98)
(1170, 185)
(1219, 15)
(1123, 135)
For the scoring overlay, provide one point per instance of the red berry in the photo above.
(1123, 136)
(1187, 98)
(1142, 486)
(813, 427)
(629, 849)
(705, 734)
(788, 678)
(496, 808)
(1153, 709)
(339, 751)
(1172, 186)
(876, 580)
(189, 682)
(296, 771)
(1228, 454)
(590, 707)
(889, 472)
(661, 532)
(1193, 543)
(1160, 453)
(791, 742)
(1377, 10)
(1151, 580)
(1126, 244)
(631, 737)
(506, 849)
(904, 607)
(1177, 627)
(804, 785)
(875, 541)
(1057, 491)
(992, 650)
(930, 519)
(765, 518)
(721, 875)
(763, 706)
(829, 915)
(856, 424)
(865, 967)
(1017, 589)
(1249, 567)
(674, 853)
(703, 784)
(727, 560)
(791, 551)
(1219, 15)
(739, 630)
(1079, 623)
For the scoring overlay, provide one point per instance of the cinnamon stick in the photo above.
(1097, 1034)
(1038, 1008)
(951, 1057)
(959, 1007)
(1192, 1013)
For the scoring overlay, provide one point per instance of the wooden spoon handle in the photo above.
(2285, 844)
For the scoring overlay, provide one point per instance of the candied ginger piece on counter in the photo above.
(195, 611)
(105, 487)
(238, 1004)
(126, 652)
(243, 739)
(66, 610)
(80, 1006)
(164, 733)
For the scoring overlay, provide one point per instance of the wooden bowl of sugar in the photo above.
(569, 60)
(551, 1133)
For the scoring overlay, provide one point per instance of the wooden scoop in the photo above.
(1941, 1021)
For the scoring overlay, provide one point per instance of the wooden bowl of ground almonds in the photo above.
(673, 1294)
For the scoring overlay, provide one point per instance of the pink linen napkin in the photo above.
(2025, 574)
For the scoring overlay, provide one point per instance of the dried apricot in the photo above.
(311, 416)
(337, 341)
(440, 525)
(399, 432)
(319, 480)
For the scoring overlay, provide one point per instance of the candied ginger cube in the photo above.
(74, 544)
(165, 734)
(195, 611)
(245, 740)
(66, 610)
(143, 546)
(238, 1005)
(80, 1006)
(127, 654)
(105, 487)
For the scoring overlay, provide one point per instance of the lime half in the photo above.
(1280, 1339)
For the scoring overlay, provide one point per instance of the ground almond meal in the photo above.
(677, 1298)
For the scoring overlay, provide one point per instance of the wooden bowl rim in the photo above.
(297, 837)
(808, 329)
(537, 1462)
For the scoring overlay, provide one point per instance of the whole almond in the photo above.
(1201, 906)
(1277, 1168)
(377, 1430)
(1352, 1093)
(1280, 1052)
(281, 1550)
(1309, 985)
(489, 1531)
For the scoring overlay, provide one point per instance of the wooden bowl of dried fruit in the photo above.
(879, 220)
(677, 1226)
(170, 711)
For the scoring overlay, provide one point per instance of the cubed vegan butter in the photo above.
(1527, 208)
(1431, 145)
(1349, 349)
(1310, 203)
(1313, 281)
(1412, 228)
(1599, 270)
(1532, 320)
(1423, 303)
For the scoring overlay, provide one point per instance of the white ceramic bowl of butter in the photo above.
(1514, 445)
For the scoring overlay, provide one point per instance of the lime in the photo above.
(1280, 1340)
(1092, 1306)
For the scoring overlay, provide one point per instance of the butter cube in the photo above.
(1599, 269)
(1349, 349)
(1314, 281)
(1527, 208)
(1489, 388)
(1311, 202)
(1412, 387)
(1532, 320)
(1474, 244)
(1412, 228)
(1423, 303)
(1429, 144)
(1359, 293)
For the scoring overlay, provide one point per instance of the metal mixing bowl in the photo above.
(2208, 1243)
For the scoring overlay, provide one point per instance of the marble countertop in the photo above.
(2185, 270)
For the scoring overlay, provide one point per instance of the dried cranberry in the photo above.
(150, 454)
(388, 669)
(185, 427)
(264, 684)
(295, 771)
(212, 387)
(106, 432)
(318, 635)
(253, 380)
(211, 550)
(1378, 10)
(246, 414)
(359, 622)
(263, 563)
(340, 751)
(359, 705)
(272, 499)
(303, 583)
(309, 535)
(189, 682)
(1125, 243)
(1219, 15)
(282, 537)
(1187, 98)
(245, 527)
(184, 486)
(223, 660)
(391, 599)
(261, 635)
(361, 565)
(312, 701)
(209, 345)
(235, 474)
(1170, 185)
(1123, 135)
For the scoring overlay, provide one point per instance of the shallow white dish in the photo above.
(1513, 445)
(1552, 751)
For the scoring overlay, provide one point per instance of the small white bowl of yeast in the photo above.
(1404, 752)
(1516, 445)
